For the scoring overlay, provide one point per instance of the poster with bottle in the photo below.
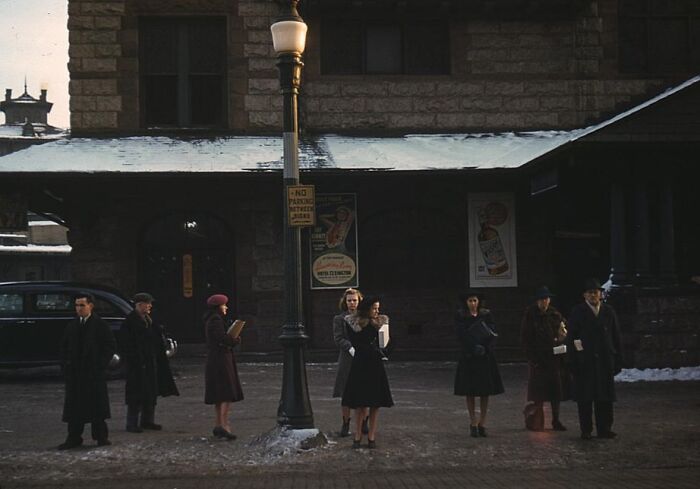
(492, 249)
(334, 242)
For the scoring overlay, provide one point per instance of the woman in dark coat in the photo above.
(542, 330)
(367, 385)
(148, 373)
(477, 370)
(221, 386)
(348, 305)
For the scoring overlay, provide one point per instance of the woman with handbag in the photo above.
(477, 371)
(367, 385)
(543, 332)
(221, 385)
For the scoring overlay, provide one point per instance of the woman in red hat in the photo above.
(221, 386)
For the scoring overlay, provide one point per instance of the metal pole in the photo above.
(295, 407)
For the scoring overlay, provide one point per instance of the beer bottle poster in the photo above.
(492, 253)
(334, 242)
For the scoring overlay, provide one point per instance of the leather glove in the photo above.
(479, 350)
(351, 351)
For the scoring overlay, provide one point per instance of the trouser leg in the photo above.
(75, 431)
(585, 416)
(99, 430)
(555, 411)
(148, 413)
(603, 416)
(132, 416)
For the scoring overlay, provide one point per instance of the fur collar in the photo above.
(357, 323)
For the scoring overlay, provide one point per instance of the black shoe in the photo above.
(356, 444)
(365, 425)
(219, 432)
(473, 432)
(482, 431)
(345, 429)
(586, 436)
(371, 443)
(103, 443)
(229, 436)
(557, 426)
(607, 434)
(151, 426)
(134, 429)
(68, 444)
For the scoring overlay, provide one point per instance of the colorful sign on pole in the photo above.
(300, 205)
(492, 253)
(334, 242)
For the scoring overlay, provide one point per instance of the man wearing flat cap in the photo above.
(148, 372)
(596, 349)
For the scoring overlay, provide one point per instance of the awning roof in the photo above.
(156, 154)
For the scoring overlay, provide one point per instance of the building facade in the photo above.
(610, 198)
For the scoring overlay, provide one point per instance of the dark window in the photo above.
(59, 302)
(183, 71)
(366, 47)
(10, 304)
(659, 36)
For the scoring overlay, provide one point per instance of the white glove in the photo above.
(351, 351)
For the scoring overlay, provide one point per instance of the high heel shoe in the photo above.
(371, 443)
(356, 444)
(345, 429)
(473, 432)
(482, 431)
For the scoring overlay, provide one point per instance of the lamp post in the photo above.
(289, 40)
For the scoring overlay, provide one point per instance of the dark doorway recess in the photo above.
(173, 244)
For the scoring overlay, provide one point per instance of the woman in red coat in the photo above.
(221, 386)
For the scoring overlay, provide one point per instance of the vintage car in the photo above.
(33, 316)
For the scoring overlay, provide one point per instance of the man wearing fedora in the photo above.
(596, 349)
(148, 373)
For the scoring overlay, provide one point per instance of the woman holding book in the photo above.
(367, 385)
(221, 386)
(477, 370)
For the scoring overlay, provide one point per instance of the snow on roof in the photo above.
(14, 131)
(30, 248)
(245, 154)
(148, 154)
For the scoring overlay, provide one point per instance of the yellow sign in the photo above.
(301, 205)
(187, 276)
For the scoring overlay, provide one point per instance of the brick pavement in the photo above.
(423, 441)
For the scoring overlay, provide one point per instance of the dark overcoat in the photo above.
(342, 341)
(148, 373)
(594, 367)
(477, 370)
(221, 383)
(367, 384)
(548, 375)
(86, 351)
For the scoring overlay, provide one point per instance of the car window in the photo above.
(56, 302)
(10, 304)
(106, 308)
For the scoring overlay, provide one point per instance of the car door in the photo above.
(14, 336)
(50, 312)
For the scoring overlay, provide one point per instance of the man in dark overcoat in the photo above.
(596, 349)
(87, 348)
(148, 373)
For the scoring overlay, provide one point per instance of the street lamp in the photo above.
(289, 40)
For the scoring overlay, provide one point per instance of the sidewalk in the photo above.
(422, 442)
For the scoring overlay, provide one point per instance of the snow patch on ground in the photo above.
(282, 442)
(658, 374)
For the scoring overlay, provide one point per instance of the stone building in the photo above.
(582, 116)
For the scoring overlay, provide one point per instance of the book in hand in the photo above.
(234, 331)
(383, 335)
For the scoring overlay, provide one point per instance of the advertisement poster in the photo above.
(492, 253)
(334, 242)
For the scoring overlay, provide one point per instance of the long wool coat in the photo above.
(342, 341)
(367, 384)
(148, 373)
(221, 382)
(86, 351)
(594, 367)
(477, 375)
(548, 374)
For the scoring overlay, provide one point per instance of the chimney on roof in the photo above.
(42, 97)
(8, 94)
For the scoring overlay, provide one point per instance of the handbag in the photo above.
(534, 417)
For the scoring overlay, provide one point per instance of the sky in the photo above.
(34, 43)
